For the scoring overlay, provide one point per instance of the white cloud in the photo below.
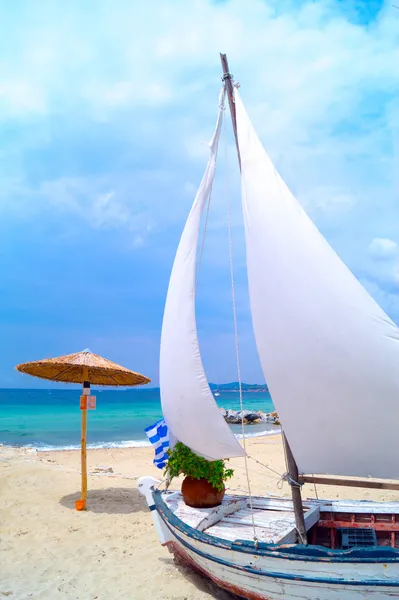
(296, 59)
(18, 97)
(383, 248)
(319, 89)
(89, 201)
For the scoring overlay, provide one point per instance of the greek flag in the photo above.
(159, 437)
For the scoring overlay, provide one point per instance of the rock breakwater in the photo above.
(234, 417)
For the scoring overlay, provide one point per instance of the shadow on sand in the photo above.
(202, 583)
(113, 501)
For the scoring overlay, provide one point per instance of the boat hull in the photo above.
(270, 572)
(257, 578)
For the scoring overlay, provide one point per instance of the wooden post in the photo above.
(296, 493)
(227, 77)
(83, 456)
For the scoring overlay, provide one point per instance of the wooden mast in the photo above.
(227, 78)
(291, 464)
(295, 491)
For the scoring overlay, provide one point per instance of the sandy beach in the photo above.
(49, 551)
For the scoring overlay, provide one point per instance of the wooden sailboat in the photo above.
(323, 342)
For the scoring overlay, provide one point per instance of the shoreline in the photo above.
(144, 443)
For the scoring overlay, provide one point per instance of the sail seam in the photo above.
(203, 241)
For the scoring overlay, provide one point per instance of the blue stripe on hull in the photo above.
(285, 576)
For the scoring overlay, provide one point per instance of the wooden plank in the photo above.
(311, 517)
(358, 506)
(264, 520)
(290, 537)
(220, 512)
(245, 532)
(238, 532)
(377, 525)
(272, 527)
(364, 483)
(278, 504)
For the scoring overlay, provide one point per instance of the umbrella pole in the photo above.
(86, 392)
(84, 458)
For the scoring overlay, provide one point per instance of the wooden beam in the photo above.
(220, 512)
(296, 492)
(377, 525)
(364, 483)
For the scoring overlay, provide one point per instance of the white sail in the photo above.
(188, 405)
(329, 353)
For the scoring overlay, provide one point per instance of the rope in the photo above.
(287, 477)
(315, 490)
(233, 295)
(266, 467)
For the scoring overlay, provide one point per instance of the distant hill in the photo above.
(234, 387)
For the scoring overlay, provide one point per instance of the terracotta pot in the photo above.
(199, 493)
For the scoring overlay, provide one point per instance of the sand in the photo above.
(49, 551)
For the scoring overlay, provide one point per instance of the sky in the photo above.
(106, 110)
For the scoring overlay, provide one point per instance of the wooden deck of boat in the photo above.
(275, 521)
(274, 518)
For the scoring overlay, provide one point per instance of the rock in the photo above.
(234, 417)
(252, 417)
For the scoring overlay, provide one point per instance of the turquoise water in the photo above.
(51, 418)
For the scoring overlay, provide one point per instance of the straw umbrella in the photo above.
(85, 368)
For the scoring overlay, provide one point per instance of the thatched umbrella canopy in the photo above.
(80, 367)
(85, 368)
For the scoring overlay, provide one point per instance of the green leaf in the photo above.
(183, 461)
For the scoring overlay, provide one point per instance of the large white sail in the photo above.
(188, 405)
(329, 353)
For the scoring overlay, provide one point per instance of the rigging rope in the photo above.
(279, 475)
(233, 295)
(315, 489)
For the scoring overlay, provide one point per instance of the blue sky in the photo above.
(105, 114)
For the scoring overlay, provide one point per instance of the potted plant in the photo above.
(203, 485)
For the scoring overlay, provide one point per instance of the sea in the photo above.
(50, 419)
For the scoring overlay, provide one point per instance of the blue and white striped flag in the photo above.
(158, 435)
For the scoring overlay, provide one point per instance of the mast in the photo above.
(228, 79)
(295, 491)
(291, 464)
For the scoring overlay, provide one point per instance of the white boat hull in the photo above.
(267, 574)
(257, 579)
